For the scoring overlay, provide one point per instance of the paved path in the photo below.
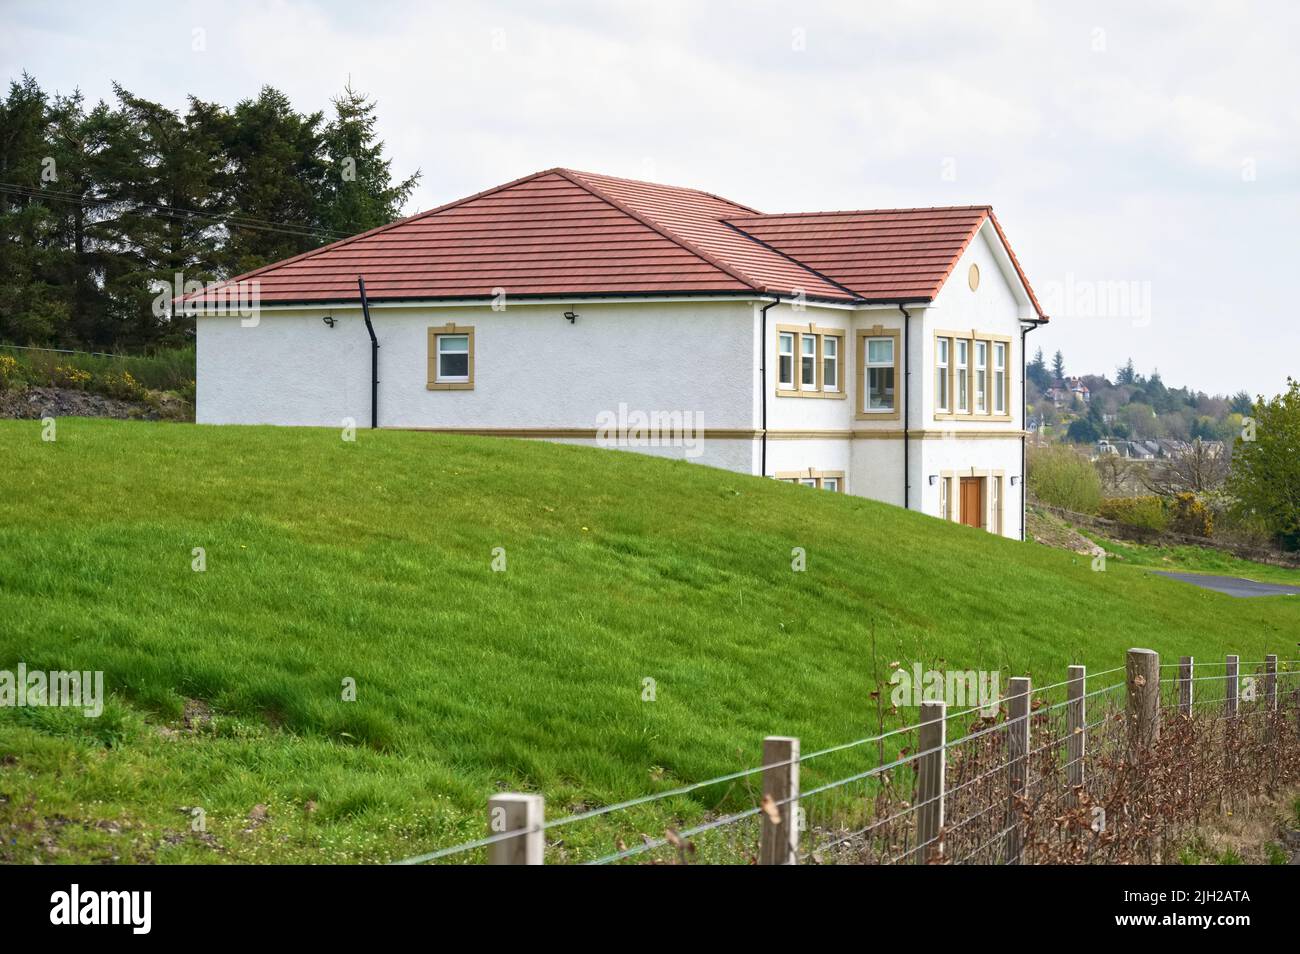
(1232, 585)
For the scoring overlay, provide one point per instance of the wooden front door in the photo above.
(972, 501)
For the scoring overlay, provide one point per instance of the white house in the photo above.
(877, 353)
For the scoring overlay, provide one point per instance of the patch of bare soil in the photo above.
(34, 403)
(1053, 532)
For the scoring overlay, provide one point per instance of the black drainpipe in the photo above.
(1024, 424)
(374, 356)
(762, 366)
(907, 406)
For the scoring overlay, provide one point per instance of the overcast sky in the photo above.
(1149, 149)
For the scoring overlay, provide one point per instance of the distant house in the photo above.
(877, 353)
(1064, 390)
(1147, 450)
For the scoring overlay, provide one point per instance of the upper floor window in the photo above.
(963, 375)
(785, 360)
(880, 374)
(830, 363)
(808, 361)
(999, 377)
(971, 376)
(942, 394)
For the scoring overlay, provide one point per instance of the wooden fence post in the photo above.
(1230, 686)
(1186, 666)
(931, 765)
(1077, 741)
(511, 811)
(778, 842)
(1270, 681)
(1018, 698)
(1143, 671)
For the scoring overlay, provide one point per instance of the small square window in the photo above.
(451, 358)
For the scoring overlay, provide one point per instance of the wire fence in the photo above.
(1101, 768)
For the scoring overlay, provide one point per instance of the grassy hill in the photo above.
(371, 560)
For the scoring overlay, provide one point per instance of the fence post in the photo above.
(1270, 681)
(1230, 686)
(1077, 740)
(778, 842)
(1018, 696)
(1143, 671)
(511, 811)
(1186, 666)
(931, 766)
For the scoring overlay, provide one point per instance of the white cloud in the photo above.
(1113, 163)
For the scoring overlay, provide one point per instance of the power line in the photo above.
(230, 220)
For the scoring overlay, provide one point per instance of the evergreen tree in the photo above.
(1036, 371)
(30, 308)
(358, 192)
(1127, 374)
(1058, 366)
(277, 171)
(164, 177)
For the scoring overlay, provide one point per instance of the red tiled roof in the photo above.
(882, 254)
(698, 218)
(564, 233)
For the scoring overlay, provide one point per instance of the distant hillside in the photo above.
(1126, 405)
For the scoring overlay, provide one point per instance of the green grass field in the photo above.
(372, 560)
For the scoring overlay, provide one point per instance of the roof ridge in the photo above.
(665, 185)
(921, 208)
(786, 255)
(379, 228)
(578, 179)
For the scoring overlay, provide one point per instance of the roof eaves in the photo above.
(535, 296)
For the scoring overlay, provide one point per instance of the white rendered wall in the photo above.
(532, 368)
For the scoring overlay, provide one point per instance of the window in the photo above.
(981, 377)
(808, 361)
(996, 501)
(451, 358)
(942, 399)
(943, 498)
(999, 377)
(830, 363)
(785, 360)
(832, 480)
(880, 374)
(963, 375)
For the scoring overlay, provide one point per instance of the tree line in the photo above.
(102, 205)
(1131, 406)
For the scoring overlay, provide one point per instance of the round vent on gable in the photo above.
(974, 276)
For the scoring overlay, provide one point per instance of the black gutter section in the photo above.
(374, 356)
(762, 371)
(583, 296)
(907, 406)
(1024, 413)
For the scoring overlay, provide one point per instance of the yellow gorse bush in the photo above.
(66, 376)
